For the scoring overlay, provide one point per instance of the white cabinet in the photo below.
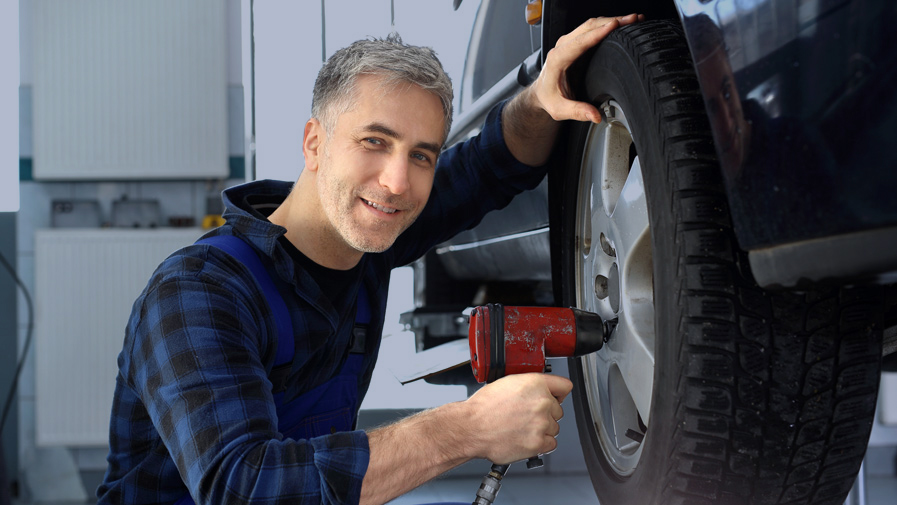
(86, 281)
(130, 90)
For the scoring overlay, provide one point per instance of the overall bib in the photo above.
(326, 409)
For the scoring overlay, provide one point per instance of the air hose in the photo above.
(491, 484)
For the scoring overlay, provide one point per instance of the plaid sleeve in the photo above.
(195, 361)
(472, 178)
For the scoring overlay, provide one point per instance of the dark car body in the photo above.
(802, 99)
(809, 166)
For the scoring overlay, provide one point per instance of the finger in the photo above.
(555, 409)
(589, 24)
(573, 45)
(593, 31)
(630, 18)
(554, 429)
(556, 412)
(559, 386)
(570, 109)
(564, 397)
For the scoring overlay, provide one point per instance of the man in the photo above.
(196, 407)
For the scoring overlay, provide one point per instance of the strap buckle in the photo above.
(359, 339)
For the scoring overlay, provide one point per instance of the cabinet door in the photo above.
(130, 90)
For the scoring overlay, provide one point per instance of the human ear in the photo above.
(312, 140)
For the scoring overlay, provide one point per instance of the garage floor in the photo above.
(522, 489)
(518, 488)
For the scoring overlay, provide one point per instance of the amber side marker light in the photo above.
(534, 12)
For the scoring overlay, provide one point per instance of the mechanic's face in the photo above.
(375, 169)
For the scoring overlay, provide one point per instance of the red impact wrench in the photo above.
(511, 340)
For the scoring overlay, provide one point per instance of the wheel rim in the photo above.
(614, 278)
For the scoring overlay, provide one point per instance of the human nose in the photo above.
(394, 176)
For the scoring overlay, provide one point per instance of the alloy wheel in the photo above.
(615, 279)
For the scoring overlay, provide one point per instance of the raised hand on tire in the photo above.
(552, 89)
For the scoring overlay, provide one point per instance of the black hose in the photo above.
(5, 498)
(21, 363)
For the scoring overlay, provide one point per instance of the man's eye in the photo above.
(373, 141)
(421, 157)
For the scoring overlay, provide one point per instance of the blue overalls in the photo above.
(326, 409)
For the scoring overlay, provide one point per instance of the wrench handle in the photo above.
(535, 462)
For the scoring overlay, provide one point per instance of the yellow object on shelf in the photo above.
(212, 221)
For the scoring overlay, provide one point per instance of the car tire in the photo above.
(710, 389)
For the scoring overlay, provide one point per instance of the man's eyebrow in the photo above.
(429, 146)
(389, 132)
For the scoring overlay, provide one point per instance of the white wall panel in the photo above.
(887, 399)
(287, 59)
(9, 107)
(130, 90)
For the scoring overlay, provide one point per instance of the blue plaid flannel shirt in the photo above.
(193, 409)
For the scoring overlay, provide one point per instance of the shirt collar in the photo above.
(260, 233)
(263, 235)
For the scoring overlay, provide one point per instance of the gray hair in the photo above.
(397, 62)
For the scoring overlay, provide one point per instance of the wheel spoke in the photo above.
(585, 229)
(615, 164)
(593, 226)
(590, 269)
(597, 370)
(635, 358)
(630, 217)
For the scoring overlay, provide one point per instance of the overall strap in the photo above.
(363, 309)
(362, 320)
(245, 254)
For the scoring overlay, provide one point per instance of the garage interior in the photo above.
(83, 238)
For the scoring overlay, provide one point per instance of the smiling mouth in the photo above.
(381, 208)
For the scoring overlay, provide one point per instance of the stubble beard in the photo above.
(339, 200)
